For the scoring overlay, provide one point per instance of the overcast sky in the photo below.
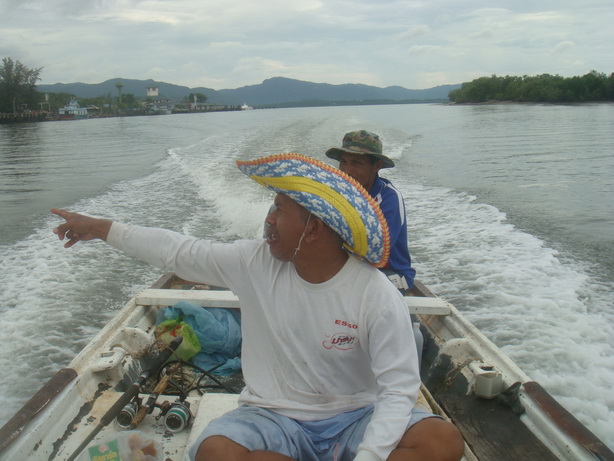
(224, 44)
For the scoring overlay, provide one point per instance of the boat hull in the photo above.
(73, 117)
(69, 409)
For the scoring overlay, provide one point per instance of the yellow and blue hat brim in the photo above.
(331, 195)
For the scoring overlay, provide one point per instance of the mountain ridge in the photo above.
(271, 92)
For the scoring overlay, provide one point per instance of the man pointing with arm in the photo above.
(328, 355)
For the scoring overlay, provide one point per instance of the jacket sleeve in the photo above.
(393, 207)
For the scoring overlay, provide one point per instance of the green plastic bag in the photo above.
(169, 329)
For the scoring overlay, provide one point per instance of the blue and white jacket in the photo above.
(392, 205)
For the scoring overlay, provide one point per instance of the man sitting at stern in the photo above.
(361, 156)
(329, 358)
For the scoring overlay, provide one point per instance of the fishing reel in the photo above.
(124, 419)
(177, 415)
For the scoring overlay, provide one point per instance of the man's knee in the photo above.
(441, 439)
(220, 448)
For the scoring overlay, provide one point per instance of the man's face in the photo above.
(284, 227)
(360, 168)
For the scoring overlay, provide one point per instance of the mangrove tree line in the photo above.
(592, 87)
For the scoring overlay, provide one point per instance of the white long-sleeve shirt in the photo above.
(310, 351)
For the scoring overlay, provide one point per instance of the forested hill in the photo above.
(592, 87)
(277, 91)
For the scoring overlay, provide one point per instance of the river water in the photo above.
(510, 208)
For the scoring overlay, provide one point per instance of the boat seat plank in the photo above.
(227, 299)
(211, 406)
(492, 430)
(427, 306)
(204, 298)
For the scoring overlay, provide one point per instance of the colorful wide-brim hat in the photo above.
(331, 195)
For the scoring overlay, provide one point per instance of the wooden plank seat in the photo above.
(227, 299)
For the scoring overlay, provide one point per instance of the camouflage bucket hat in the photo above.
(360, 142)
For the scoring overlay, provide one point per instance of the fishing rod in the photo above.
(132, 391)
(151, 401)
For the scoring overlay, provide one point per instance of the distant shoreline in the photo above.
(541, 103)
(32, 117)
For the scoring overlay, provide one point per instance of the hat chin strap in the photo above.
(296, 250)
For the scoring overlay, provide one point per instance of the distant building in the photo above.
(156, 103)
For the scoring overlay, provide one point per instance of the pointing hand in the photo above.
(79, 227)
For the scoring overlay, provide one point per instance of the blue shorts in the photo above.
(258, 428)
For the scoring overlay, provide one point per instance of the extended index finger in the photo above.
(61, 213)
(61, 230)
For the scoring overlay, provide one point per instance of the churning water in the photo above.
(510, 209)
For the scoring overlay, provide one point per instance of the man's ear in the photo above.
(314, 230)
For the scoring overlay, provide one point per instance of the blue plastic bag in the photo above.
(218, 331)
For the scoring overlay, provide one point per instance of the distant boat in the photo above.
(162, 109)
(73, 111)
(246, 107)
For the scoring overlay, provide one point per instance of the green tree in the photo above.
(609, 88)
(17, 86)
(196, 97)
(594, 86)
(130, 101)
